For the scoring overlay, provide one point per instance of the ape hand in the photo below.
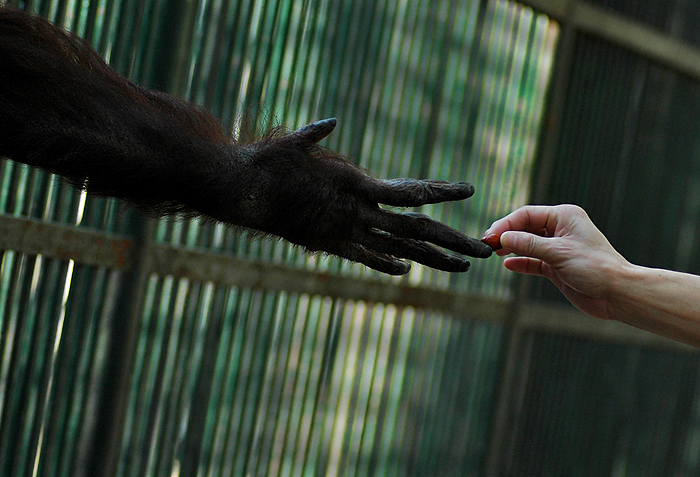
(313, 197)
(68, 112)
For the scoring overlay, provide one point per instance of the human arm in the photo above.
(66, 111)
(562, 244)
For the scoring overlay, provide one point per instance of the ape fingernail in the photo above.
(493, 241)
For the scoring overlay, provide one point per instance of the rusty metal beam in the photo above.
(625, 32)
(89, 247)
(84, 246)
(232, 271)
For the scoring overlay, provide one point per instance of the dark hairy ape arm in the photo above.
(66, 111)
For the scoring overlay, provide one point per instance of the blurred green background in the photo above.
(280, 363)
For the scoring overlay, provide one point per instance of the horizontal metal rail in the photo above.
(627, 33)
(89, 247)
(84, 246)
(226, 270)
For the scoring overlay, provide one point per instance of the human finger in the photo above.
(532, 218)
(421, 227)
(414, 192)
(525, 265)
(414, 250)
(529, 245)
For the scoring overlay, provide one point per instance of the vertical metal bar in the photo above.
(551, 127)
(516, 351)
(192, 443)
(435, 106)
(101, 445)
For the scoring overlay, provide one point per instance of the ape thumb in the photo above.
(527, 245)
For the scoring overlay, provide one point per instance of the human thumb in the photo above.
(527, 245)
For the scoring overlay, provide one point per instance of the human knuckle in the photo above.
(573, 209)
(528, 244)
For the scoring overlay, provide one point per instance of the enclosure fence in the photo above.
(139, 347)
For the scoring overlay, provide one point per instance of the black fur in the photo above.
(66, 111)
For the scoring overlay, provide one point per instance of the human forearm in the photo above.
(562, 244)
(660, 301)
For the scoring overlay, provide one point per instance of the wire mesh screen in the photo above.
(596, 408)
(243, 380)
(626, 150)
(318, 386)
(231, 380)
(53, 321)
(310, 384)
(447, 90)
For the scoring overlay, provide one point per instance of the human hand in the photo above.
(313, 197)
(562, 244)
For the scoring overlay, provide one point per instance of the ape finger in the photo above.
(414, 250)
(377, 261)
(421, 227)
(414, 193)
(310, 134)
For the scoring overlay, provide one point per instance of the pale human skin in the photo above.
(562, 243)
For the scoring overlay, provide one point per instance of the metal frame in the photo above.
(619, 30)
(89, 247)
